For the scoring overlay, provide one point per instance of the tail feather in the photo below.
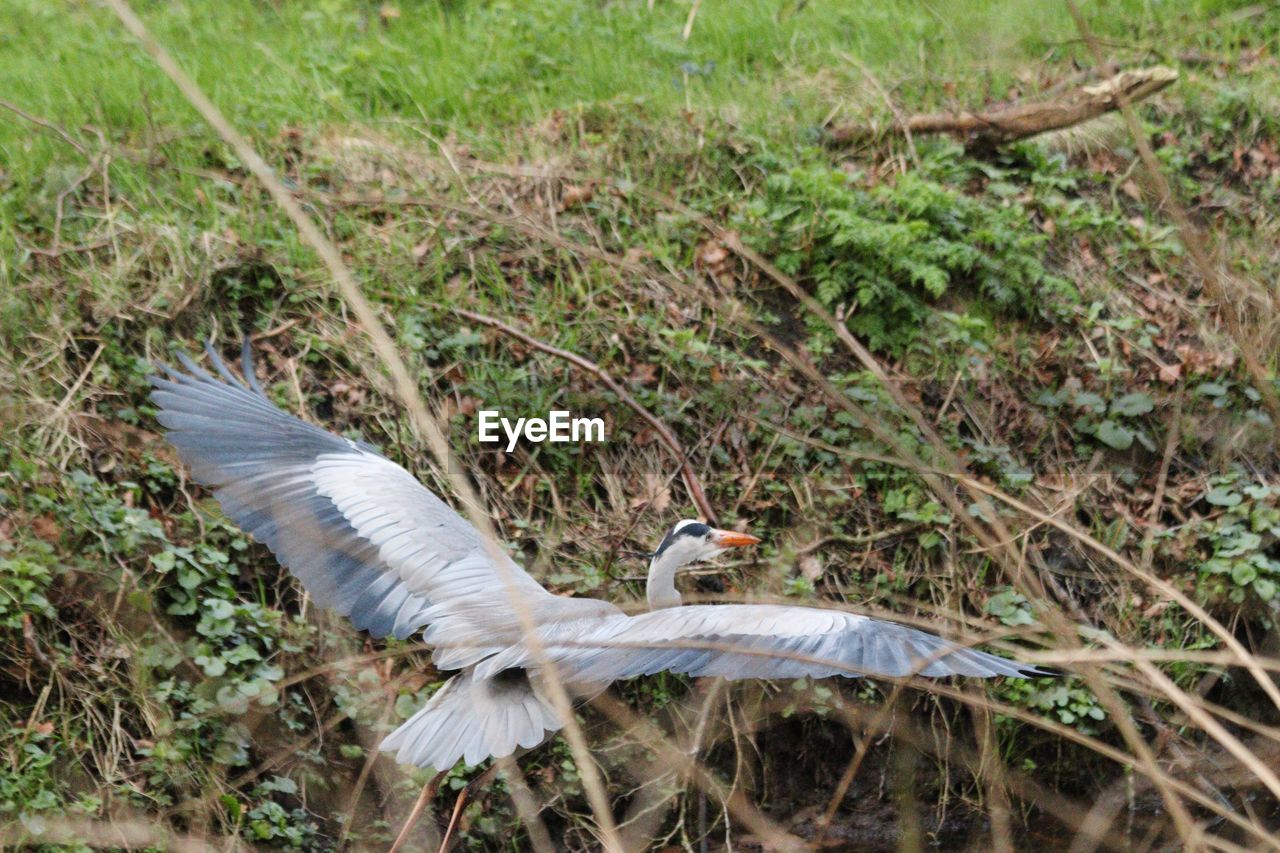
(474, 719)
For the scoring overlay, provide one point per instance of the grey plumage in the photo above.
(366, 539)
(473, 719)
(748, 641)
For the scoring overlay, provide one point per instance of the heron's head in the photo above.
(691, 541)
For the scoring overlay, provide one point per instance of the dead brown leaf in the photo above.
(574, 195)
(44, 527)
(644, 374)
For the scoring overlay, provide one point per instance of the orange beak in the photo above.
(734, 539)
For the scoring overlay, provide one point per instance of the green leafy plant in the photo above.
(1011, 608)
(883, 254)
(1064, 700)
(1115, 423)
(1240, 537)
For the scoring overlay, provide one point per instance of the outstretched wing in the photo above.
(749, 641)
(363, 536)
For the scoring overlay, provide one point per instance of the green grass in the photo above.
(1031, 302)
(478, 69)
(456, 64)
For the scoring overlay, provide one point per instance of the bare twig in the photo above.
(428, 793)
(353, 801)
(1162, 481)
(861, 539)
(46, 124)
(893, 108)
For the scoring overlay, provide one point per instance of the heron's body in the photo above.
(366, 539)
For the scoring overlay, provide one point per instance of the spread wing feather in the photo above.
(750, 641)
(363, 536)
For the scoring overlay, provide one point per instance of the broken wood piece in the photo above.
(1021, 121)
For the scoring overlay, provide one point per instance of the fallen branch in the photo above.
(668, 438)
(1020, 121)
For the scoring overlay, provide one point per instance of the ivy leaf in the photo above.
(240, 654)
(1244, 573)
(212, 666)
(1092, 402)
(407, 705)
(1265, 588)
(1211, 389)
(1223, 496)
(1132, 405)
(1112, 434)
(282, 784)
(219, 608)
(1049, 398)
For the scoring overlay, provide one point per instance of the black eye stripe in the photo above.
(695, 530)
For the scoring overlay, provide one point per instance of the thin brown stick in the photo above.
(688, 24)
(893, 108)
(428, 792)
(526, 804)
(458, 805)
(353, 800)
(46, 124)
(1162, 482)
(696, 493)
(1020, 121)
(861, 539)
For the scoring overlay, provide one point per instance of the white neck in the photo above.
(661, 589)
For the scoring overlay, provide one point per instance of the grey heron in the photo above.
(366, 539)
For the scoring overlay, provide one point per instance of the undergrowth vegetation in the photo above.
(554, 166)
(885, 255)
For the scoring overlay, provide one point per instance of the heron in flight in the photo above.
(368, 540)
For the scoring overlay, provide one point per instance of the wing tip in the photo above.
(193, 373)
(1028, 670)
